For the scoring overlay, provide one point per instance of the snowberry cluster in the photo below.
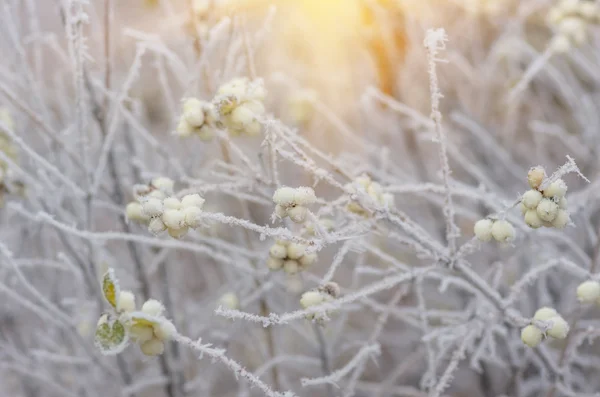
(238, 107)
(544, 207)
(147, 327)
(570, 19)
(364, 184)
(292, 257)
(292, 202)
(160, 210)
(500, 230)
(198, 118)
(546, 322)
(315, 297)
(589, 292)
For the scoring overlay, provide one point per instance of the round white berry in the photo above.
(157, 194)
(307, 259)
(559, 328)
(531, 335)
(311, 298)
(304, 196)
(274, 263)
(126, 301)
(531, 198)
(192, 112)
(544, 313)
(141, 333)
(284, 196)
(164, 329)
(191, 216)
(588, 291)
(561, 220)
(535, 176)
(172, 203)
(164, 184)
(184, 129)
(295, 250)
(174, 219)
(547, 210)
(523, 208)
(280, 211)
(230, 301)
(285, 243)
(135, 212)
(153, 307)
(152, 207)
(254, 128)
(156, 226)
(242, 116)
(532, 219)
(178, 233)
(153, 347)
(192, 200)
(560, 44)
(483, 229)
(297, 214)
(278, 251)
(556, 189)
(291, 266)
(503, 231)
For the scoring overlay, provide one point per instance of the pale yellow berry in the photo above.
(284, 196)
(193, 112)
(483, 229)
(156, 226)
(126, 301)
(141, 333)
(153, 347)
(178, 233)
(502, 231)
(297, 214)
(192, 200)
(531, 199)
(532, 219)
(191, 216)
(547, 210)
(274, 263)
(560, 44)
(311, 298)
(278, 251)
(184, 129)
(295, 250)
(307, 259)
(172, 203)
(588, 291)
(523, 208)
(535, 176)
(174, 219)
(559, 328)
(135, 212)
(164, 329)
(531, 335)
(561, 220)
(230, 301)
(304, 196)
(153, 307)
(152, 207)
(164, 184)
(291, 266)
(556, 189)
(544, 313)
(554, 16)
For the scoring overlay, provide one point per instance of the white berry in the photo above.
(588, 291)
(483, 229)
(531, 335)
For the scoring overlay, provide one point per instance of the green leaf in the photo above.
(110, 288)
(111, 337)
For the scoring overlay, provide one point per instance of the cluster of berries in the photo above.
(545, 206)
(291, 257)
(552, 325)
(160, 210)
(237, 107)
